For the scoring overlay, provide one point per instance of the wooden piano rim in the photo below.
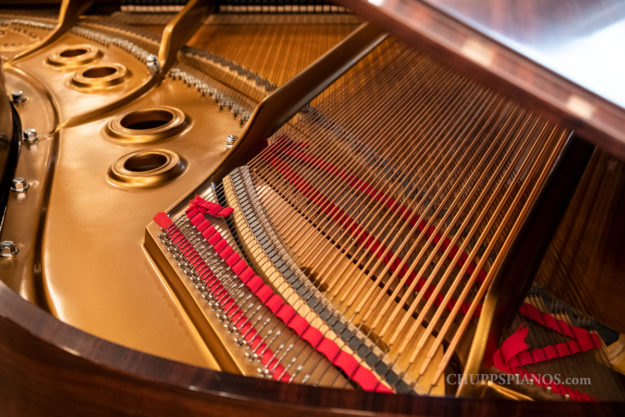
(51, 368)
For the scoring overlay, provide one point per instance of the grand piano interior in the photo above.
(275, 207)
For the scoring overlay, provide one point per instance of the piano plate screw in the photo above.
(230, 141)
(153, 65)
(18, 97)
(19, 185)
(8, 249)
(30, 136)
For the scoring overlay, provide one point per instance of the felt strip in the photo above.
(300, 325)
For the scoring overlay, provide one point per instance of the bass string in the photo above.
(426, 285)
(276, 50)
(459, 213)
(541, 166)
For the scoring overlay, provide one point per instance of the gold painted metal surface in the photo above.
(59, 82)
(70, 12)
(75, 57)
(222, 347)
(147, 125)
(119, 275)
(99, 77)
(111, 289)
(146, 169)
(181, 29)
(174, 37)
(16, 39)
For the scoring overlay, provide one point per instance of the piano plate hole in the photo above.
(148, 124)
(147, 119)
(146, 168)
(145, 162)
(99, 72)
(70, 53)
(75, 56)
(99, 77)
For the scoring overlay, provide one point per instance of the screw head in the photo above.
(230, 141)
(153, 65)
(18, 97)
(19, 184)
(30, 136)
(8, 249)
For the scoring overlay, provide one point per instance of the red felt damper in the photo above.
(227, 303)
(515, 353)
(163, 220)
(300, 325)
(210, 208)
